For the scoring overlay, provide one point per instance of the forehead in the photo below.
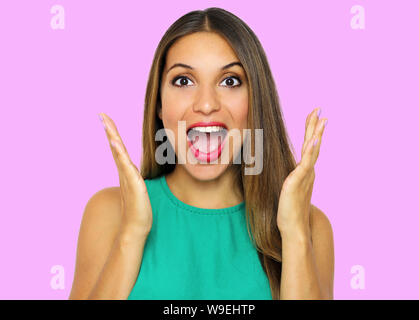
(199, 48)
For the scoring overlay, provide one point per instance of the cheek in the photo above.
(170, 117)
(173, 109)
(239, 110)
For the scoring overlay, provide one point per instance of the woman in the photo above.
(195, 228)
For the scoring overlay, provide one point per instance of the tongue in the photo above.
(206, 142)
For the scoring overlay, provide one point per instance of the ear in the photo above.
(159, 113)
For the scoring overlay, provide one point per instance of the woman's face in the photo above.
(206, 88)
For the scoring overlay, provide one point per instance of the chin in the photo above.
(205, 172)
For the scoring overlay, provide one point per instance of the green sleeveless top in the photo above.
(195, 253)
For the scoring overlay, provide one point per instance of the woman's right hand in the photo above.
(135, 203)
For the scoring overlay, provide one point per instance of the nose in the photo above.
(206, 100)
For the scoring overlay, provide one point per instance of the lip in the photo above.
(202, 156)
(207, 157)
(207, 124)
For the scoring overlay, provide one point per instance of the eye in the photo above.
(183, 81)
(231, 82)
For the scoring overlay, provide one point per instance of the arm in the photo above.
(122, 266)
(307, 237)
(102, 242)
(308, 261)
(121, 269)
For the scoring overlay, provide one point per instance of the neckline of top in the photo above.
(237, 208)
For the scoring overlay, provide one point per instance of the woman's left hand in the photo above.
(295, 199)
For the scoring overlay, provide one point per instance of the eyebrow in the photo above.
(189, 67)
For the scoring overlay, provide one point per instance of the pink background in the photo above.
(55, 155)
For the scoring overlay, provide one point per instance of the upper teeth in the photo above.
(208, 129)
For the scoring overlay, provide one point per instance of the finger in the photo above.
(304, 168)
(126, 166)
(319, 135)
(306, 162)
(311, 123)
(110, 134)
(126, 169)
(111, 129)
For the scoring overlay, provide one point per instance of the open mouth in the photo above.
(207, 142)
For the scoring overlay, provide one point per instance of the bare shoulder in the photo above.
(107, 199)
(319, 220)
(98, 229)
(103, 208)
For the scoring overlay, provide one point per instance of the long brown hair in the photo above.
(260, 192)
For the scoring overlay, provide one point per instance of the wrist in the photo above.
(302, 235)
(133, 232)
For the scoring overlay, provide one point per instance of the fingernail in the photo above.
(325, 123)
(315, 142)
(103, 122)
(318, 112)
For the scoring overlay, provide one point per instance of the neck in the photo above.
(221, 192)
